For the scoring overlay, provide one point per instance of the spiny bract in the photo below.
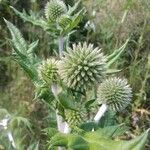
(82, 67)
(48, 71)
(54, 9)
(115, 92)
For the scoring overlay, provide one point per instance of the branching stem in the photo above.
(62, 126)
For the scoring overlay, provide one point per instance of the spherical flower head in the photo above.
(82, 67)
(114, 92)
(75, 118)
(48, 71)
(54, 9)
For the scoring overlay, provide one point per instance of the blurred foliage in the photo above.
(107, 24)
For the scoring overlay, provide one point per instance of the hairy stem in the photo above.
(10, 137)
(67, 128)
(61, 46)
(100, 112)
(60, 123)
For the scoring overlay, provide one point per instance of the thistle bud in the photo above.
(48, 71)
(115, 93)
(75, 118)
(64, 21)
(54, 9)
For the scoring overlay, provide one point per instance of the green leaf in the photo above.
(112, 71)
(116, 54)
(17, 38)
(43, 92)
(76, 19)
(67, 100)
(113, 131)
(59, 139)
(34, 146)
(72, 9)
(50, 132)
(34, 19)
(17, 121)
(108, 119)
(97, 140)
(23, 54)
(88, 126)
(32, 46)
(89, 103)
(3, 113)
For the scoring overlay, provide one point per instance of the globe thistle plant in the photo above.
(83, 66)
(72, 79)
(48, 71)
(114, 93)
(54, 9)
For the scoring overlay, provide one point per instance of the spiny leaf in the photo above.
(22, 53)
(19, 121)
(67, 100)
(75, 21)
(116, 54)
(32, 46)
(72, 9)
(97, 141)
(17, 38)
(36, 20)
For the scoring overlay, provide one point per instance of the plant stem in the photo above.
(10, 137)
(100, 112)
(61, 46)
(60, 124)
(67, 128)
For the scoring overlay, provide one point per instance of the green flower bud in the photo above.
(75, 118)
(114, 92)
(82, 67)
(54, 9)
(64, 21)
(48, 71)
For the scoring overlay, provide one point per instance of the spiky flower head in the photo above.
(83, 66)
(48, 71)
(75, 118)
(54, 9)
(115, 92)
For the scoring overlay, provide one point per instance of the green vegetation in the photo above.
(53, 80)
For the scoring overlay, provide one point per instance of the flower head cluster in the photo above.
(115, 92)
